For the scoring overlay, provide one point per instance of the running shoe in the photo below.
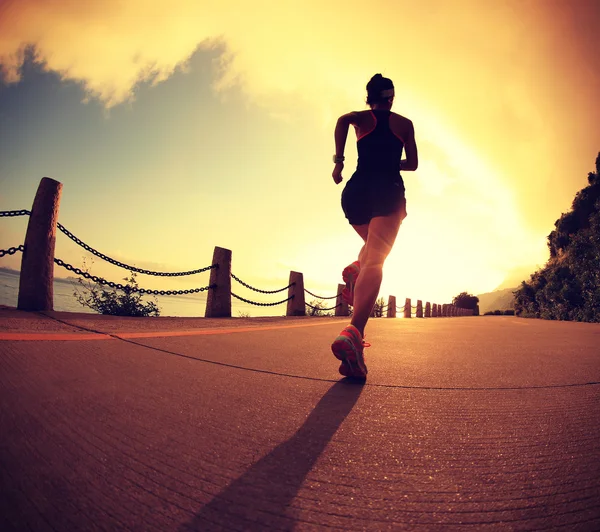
(350, 275)
(348, 347)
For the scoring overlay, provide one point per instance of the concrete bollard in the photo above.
(296, 306)
(218, 302)
(407, 309)
(36, 282)
(341, 307)
(391, 310)
(434, 310)
(428, 309)
(419, 308)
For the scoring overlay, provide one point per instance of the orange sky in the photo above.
(503, 96)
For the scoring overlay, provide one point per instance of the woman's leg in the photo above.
(363, 231)
(381, 235)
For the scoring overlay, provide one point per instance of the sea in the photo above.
(191, 305)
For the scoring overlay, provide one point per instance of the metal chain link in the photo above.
(261, 304)
(11, 251)
(320, 297)
(22, 212)
(126, 266)
(257, 289)
(318, 308)
(100, 280)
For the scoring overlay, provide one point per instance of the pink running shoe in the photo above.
(349, 275)
(348, 347)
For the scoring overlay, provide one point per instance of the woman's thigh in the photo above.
(382, 235)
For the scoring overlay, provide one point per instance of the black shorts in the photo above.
(365, 197)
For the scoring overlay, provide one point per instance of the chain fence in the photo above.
(127, 266)
(261, 304)
(258, 289)
(101, 281)
(12, 250)
(22, 212)
(321, 297)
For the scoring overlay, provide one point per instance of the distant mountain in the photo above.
(497, 300)
(516, 277)
(502, 298)
(11, 271)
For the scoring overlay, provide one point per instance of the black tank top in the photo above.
(380, 150)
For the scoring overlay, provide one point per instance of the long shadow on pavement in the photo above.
(259, 499)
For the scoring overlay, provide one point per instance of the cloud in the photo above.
(490, 84)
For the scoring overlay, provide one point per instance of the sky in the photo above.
(179, 126)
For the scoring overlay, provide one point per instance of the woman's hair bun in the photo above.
(376, 85)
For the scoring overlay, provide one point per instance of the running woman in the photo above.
(374, 203)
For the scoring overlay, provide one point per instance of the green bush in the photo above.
(114, 302)
(377, 311)
(317, 308)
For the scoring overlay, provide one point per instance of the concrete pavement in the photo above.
(488, 423)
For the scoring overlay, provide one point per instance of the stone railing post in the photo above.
(391, 310)
(296, 305)
(419, 308)
(218, 302)
(428, 309)
(341, 307)
(36, 282)
(407, 309)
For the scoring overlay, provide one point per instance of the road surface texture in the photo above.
(180, 424)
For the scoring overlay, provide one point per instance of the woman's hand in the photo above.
(337, 173)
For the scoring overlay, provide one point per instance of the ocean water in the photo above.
(192, 305)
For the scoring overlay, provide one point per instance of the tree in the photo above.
(467, 301)
(568, 286)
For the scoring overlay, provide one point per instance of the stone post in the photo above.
(341, 307)
(391, 310)
(36, 282)
(296, 306)
(218, 302)
(428, 309)
(419, 308)
(407, 309)
(434, 310)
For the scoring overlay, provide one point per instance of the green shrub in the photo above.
(317, 308)
(377, 311)
(114, 302)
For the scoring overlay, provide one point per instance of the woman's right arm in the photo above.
(341, 132)
(340, 135)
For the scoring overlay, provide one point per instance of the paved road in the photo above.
(489, 423)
